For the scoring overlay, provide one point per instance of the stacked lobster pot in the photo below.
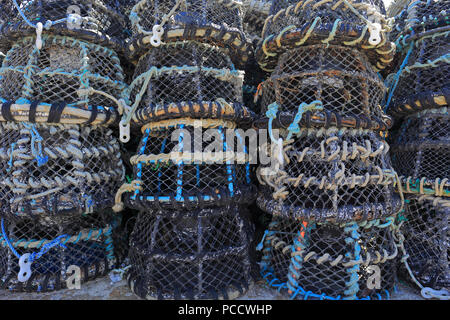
(60, 164)
(418, 100)
(255, 14)
(329, 184)
(191, 238)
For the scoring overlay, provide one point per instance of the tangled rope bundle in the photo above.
(196, 254)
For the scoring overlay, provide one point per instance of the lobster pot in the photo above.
(336, 175)
(339, 77)
(425, 227)
(187, 80)
(200, 254)
(425, 15)
(89, 20)
(423, 82)
(421, 152)
(82, 74)
(208, 21)
(83, 244)
(57, 171)
(305, 260)
(296, 23)
(255, 14)
(190, 164)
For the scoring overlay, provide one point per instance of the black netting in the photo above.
(296, 23)
(57, 171)
(421, 149)
(170, 175)
(88, 242)
(200, 254)
(424, 81)
(427, 14)
(214, 22)
(327, 261)
(425, 227)
(65, 69)
(255, 14)
(179, 75)
(2, 56)
(339, 175)
(91, 20)
(341, 78)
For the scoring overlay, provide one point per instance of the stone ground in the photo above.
(103, 289)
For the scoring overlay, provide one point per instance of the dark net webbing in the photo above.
(297, 23)
(423, 82)
(184, 73)
(95, 21)
(339, 175)
(169, 182)
(426, 14)
(327, 261)
(190, 13)
(425, 227)
(340, 77)
(421, 146)
(90, 242)
(57, 171)
(63, 70)
(200, 254)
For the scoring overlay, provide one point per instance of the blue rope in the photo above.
(35, 255)
(47, 24)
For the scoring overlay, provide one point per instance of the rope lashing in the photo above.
(39, 26)
(36, 139)
(158, 29)
(294, 127)
(27, 259)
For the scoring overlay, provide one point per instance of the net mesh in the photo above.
(338, 175)
(178, 165)
(89, 242)
(423, 82)
(427, 14)
(57, 171)
(205, 73)
(92, 20)
(328, 261)
(200, 254)
(425, 226)
(341, 78)
(296, 23)
(65, 69)
(213, 22)
(255, 14)
(421, 150)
